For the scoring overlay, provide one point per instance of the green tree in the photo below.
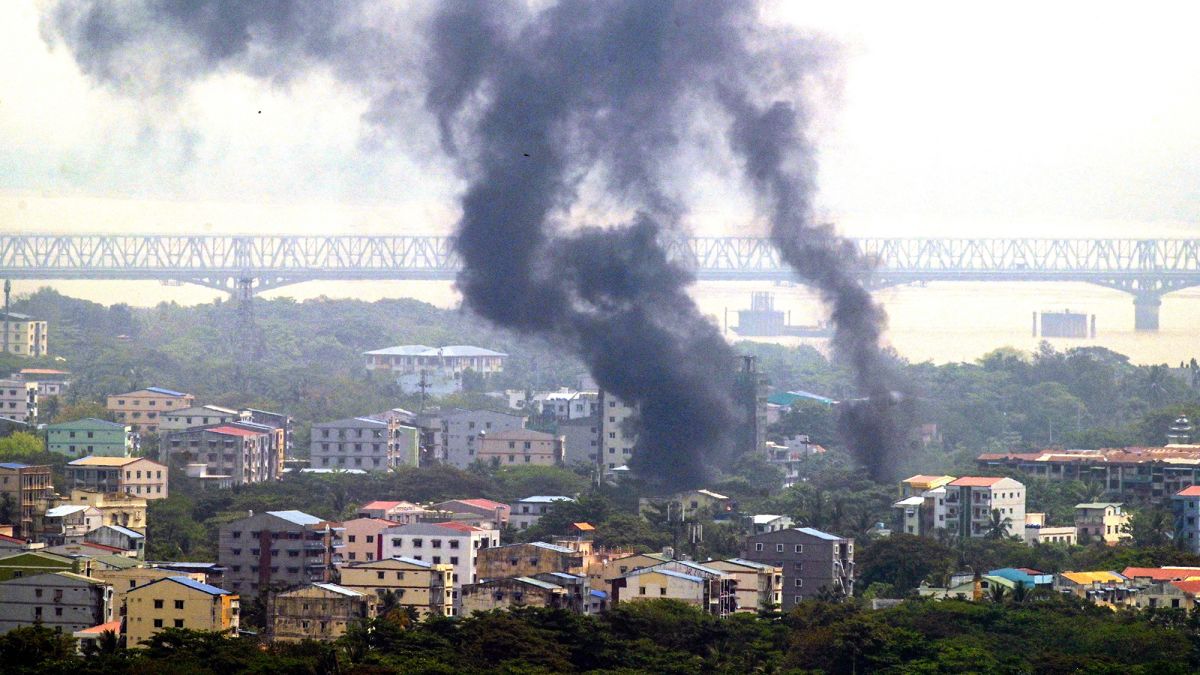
(998, 525)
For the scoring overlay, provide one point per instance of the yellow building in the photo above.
(319, 612)
(125, 580)
(619, 567)
(24, 335)
(143, 410)
(519, 447)
(178, 602)
(759, 586)
(1103, 521)
(116, 508)
(423, 586)
(917, 485)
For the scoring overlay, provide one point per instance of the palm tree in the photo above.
(1019, 593)
(997, 527)
(996, 593)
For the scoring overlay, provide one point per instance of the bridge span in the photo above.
(1147, 269)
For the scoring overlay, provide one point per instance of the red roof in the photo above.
(43, 371)
(977, 481)
(381, 505)
(102, 547)
(234, 431)
(481, 503)
(114, 626)
(1161, 573)
(461, 527)
(15, 540)
(1193, 491)
(1189, 587)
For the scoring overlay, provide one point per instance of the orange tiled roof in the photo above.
(1189, 587)
(1161, 573)
(1193, 491)
(114, 626)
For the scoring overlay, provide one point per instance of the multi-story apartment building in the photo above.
(566, 405)
(759, 586)
(49, 381)
(144, 409)
(520, 447)
(790, 456)
(89, 436)
(362, 537)
(318, 611)
(196, 416)
(136, 476)
(178, 602)
(434, 370)
(1186, 505)
(276, 550)
(922, 505)
(245, 452)
(512, 592)
(27, 487)
(462, 429)
(451, 544)
(125, 580)
(18, 401)
(419, 585)
(581, 440)
(62, 601)
(493, 513)
(1128, 475)
(1102, 521)
(24, 335)
(970, 501)
(358, 443)
(526, 560)
(399, 512)
(116, 508)
(711, 590)
(525, 513)
(281, 423)
(811, 560)
(67, 523)
(617, 432)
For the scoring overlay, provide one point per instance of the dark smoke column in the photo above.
(779, 163)
(585, 87)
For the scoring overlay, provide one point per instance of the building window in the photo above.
(642, 590)
(799, 583)
(758, 547)
(158, 604)
(179, 623)
(158, 623)
(779, 548)
(799, 548)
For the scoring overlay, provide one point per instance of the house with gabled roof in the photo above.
(137, 476)
(143, 409)
(486, 509)
(62, 601)
(318, 611)
(179, 602)
(276, 550)
(422, 586)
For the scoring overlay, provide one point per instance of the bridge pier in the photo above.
(1145, 311)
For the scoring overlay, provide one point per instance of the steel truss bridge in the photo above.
(245, 265)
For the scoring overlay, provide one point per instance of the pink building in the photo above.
(362, 538)
(484, 509)
(401, 512)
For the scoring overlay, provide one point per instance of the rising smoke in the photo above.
(536, 105)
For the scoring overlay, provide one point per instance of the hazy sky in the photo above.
(1051, 119)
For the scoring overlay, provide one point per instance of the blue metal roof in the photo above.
(819, 534)
(127, 532)
(297, 517)
(673, 573)
(599, 594)
(13, 465)
(168, 392)
(199, 586)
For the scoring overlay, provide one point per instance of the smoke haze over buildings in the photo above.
(538, 108)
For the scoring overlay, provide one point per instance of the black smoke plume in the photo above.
(539, 106)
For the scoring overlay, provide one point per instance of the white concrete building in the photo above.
(451, 543)
(970, 501)
(527, 512)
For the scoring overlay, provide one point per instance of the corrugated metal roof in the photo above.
(13, 465)
(673, 573)
(163, 390)
(819, 534)
(544, 499)
(198, 585)
(85, 422)
(551, 547)
(539, 583)
(126, 531)
(747, 563)
(342, 590)
(65, 510)
(296, 517)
